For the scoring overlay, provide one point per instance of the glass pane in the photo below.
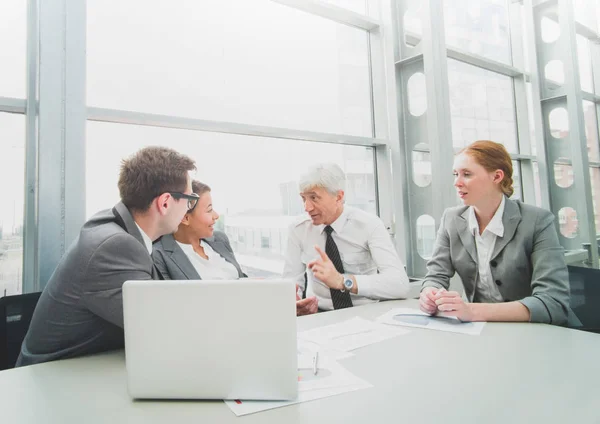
(591, 130)
(526, 56)
(255, 194)
(587, 13)
(595, 180)
(568, 222)
(412, 22)
(13, 47)
(479, 26)
(425, 236)
(585, 64)
(256, 62)
(531, 119)
(482, 106)
(12, 169)
(517, 186)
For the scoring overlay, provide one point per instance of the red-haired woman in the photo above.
(506, 252)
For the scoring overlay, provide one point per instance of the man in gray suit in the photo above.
(81, 309)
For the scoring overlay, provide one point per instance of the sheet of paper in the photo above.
(309, 348)
(350, 334)
(310, 387)
(329, 374)
(415, 318)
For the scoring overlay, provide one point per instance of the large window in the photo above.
(254, 62)
(13, 29)
(481, 105)
(254, 180)
(12, 172)
(479, 27)
(13, 39)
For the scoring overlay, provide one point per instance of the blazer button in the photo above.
(493, 263)
(498, 282)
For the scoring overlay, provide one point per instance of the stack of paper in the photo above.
(331, 379)
(330, 344)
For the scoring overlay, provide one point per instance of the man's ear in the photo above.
(340, 196)
(162, 203)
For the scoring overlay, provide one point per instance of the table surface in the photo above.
(511, 373)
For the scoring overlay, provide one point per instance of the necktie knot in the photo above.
(329, 229)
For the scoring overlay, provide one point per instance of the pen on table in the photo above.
(315, 360)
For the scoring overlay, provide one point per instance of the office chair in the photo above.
(15, 316)
(585, 296)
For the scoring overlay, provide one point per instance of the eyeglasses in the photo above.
(192, 199)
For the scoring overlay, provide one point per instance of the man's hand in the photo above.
(307, 306)
(324, 270)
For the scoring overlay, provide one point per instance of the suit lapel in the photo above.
(510, 220)
(179, 257)
(466, 237)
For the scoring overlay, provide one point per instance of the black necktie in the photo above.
(340, 299)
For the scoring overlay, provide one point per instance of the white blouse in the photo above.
(213, 268)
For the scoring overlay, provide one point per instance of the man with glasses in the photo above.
(81, 309)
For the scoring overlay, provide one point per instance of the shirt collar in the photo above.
(495, 226)
(339, 223)
(147, 240)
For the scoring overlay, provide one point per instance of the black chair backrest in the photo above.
(15, 316)
(585, 296)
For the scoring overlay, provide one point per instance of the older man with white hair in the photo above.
(347, 254)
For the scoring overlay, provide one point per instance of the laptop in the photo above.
(201, 339)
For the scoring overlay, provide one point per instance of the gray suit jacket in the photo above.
(527, 264)
(81, 308)
(173, 263)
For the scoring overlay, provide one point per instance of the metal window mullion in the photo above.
(438, 105)
(536, 99)
(179, 122)
(61, 136)
(520, 98)
(483, 62)
(577, 139)
(12, 105)
(30, 254)
(385, 123)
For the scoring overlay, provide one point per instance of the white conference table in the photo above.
(511, 373)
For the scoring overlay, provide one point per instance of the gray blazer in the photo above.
(173, 263)
(527, 264)
(81, 308)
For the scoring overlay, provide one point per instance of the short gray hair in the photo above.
(325, 175)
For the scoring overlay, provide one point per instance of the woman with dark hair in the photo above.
(196, 251)
(506, 252)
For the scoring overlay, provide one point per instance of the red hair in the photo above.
(493, 156)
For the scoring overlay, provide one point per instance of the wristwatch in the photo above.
(347, 282)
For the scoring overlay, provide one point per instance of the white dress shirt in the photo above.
(486, 290)
(365, 248)
(146, 238)
(213, 268)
